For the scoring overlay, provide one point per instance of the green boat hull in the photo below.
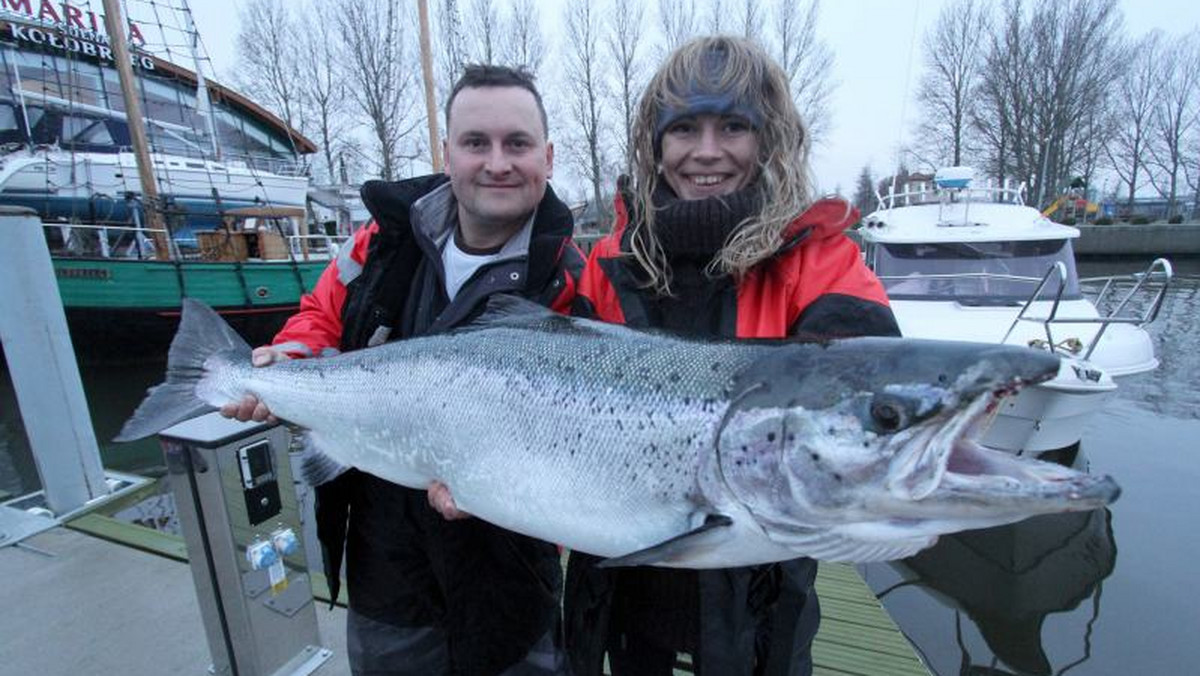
(129, 308)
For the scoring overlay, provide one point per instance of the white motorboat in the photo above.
(977, 264)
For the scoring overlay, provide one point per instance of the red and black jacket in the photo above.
(815, 285)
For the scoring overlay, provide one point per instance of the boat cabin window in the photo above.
(172, 142)
(87, 131)
(979, 273)
(11, 129)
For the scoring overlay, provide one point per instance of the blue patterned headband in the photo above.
(700, 99)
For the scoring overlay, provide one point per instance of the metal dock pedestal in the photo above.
(238, 510)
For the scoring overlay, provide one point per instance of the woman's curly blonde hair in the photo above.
(745, 72)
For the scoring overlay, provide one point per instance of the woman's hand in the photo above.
(443, 502)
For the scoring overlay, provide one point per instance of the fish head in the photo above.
(869, 449)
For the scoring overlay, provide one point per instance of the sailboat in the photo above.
(213, 208)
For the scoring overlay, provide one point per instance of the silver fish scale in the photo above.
(507, 414)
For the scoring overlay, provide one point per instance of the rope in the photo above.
(912, 47)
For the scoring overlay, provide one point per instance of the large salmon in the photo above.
(653, 450)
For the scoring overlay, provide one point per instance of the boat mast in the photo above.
(427, 72)
(137, 132)
(24, 110)
(202, 100)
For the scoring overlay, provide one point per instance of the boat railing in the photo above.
(1151, 285)
(930, 279)
(927, 192)
(87, 240)
(1059, 270)
(281, 166)
(961, 275)
(304, 246)
(105, 241)
(1148, 289)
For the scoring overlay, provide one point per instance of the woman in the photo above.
(718, 237)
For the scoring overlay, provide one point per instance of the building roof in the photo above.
(217, 92)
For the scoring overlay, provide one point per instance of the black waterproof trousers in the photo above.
(754, 621)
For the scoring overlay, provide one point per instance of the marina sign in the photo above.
(58, 40)
(65, 27)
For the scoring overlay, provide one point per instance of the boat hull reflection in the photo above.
(1008, 579)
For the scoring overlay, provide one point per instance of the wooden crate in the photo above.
(222, 245)
(271, 245)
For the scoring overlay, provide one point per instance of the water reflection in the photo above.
(156, 511)
(1008, 579)
(18, 474)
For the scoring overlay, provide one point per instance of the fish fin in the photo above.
(202, 333)
(505, 306)
(315, 466)
(678, 547)
(839, 545)
(506, 310)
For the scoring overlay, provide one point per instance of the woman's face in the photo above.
(709, 155)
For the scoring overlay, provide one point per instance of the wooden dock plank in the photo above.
(131, 535)
(889, 641)
(856, 637)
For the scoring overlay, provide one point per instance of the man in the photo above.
(430, 595)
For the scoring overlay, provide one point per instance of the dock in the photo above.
(101, 596)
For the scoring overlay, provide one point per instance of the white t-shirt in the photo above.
(460, 265)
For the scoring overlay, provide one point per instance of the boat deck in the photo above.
(104, 597)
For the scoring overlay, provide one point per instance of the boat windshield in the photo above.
(979, 273)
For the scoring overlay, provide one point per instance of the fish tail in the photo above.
(202, 334)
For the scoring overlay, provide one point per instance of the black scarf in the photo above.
(695, 230)
(691, 233)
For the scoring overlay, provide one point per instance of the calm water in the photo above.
(1092, 594)
(1086, 594)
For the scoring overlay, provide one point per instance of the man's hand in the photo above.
(250, 408)
(443, 502)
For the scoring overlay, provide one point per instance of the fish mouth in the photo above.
(947, 463)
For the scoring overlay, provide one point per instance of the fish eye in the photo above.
(887, 415)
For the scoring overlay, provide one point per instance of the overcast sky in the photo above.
(871, 39)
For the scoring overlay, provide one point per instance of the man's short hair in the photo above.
(485, 75)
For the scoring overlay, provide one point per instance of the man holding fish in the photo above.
(429, 595)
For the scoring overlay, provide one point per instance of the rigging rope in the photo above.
(72, 89)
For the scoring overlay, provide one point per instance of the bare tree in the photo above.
(380, 74)
(268, 64)
(485, 31)
(452, 50)
(954, 58)
(716, 17)
(677, 18)
(1136, 96)
(1176, 116)
(995, 114)
(1047, 79)
(807, 60)
(321, 86)
(525, 46)
(585, 82)
(625, 38)
(751, 19)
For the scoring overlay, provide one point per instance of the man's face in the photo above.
(498, 161)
